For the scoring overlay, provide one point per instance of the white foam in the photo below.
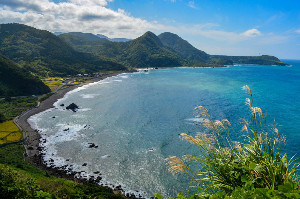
(83, 109)
(71, 132)
(105, 156)
(88, 96)
(103, 81)
(35, 119)
(196, 119)
(65, 133)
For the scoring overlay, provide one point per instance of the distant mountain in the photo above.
(260, 60)
(16, 81)
(43, 53)
(87, 36)
(165, 50)
(120, 39)
(145, 51)
(58, 33)
(102, 36)
(189, 53)
(196, 57)
(113, 39)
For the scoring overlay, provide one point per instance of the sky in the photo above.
(223, 27)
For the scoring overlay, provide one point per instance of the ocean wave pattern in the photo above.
(135, 120)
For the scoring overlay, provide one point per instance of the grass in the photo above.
(11, 107)
(19, 179)
(53, 82)
(250, 166)
(9, 132)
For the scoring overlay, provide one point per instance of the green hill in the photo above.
(16, 81)
(87, 36)
(189, 53)
(260, 60)
(145, 51)
(195, 57)
(43, 53)
(165, 50)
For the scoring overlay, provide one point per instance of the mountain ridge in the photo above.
(43, 53)
(17, 81)
(171, 45)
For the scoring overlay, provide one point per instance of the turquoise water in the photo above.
(135, 120)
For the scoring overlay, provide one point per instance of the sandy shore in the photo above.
(32, 136)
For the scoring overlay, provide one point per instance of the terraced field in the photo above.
(9, 132)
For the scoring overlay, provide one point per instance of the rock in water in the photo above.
(72, 107)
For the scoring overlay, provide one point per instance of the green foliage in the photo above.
(43, 53)
(145, 51)
(252, 168)
(244, 193)
(15, 106)
(260, 60)
(46, 96)
(223, 61)
(149, 50)
(15, 80)
(86, 36)
(189, 53)
(2, 118)
(19, 179)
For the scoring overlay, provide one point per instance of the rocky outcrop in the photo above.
(72, 107)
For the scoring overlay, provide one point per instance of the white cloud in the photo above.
(212, 31)
(252, 33)
(192, 4)
(93, 16)
(74, 15)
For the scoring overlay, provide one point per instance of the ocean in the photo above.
(134, 120)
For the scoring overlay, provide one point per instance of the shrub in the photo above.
(2, 118)
(251, 168)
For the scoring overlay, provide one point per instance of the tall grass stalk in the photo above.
(254, 160)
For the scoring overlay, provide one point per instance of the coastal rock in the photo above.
(92, 145)
(30, 148)
(73, 107)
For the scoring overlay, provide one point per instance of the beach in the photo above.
(33, 138)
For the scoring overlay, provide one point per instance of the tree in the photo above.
(2, 118)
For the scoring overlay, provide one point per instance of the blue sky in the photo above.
(232, 27)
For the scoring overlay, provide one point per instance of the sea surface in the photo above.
(135, 120)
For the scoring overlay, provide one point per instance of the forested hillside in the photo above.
(16, 81)
(165, 50)
(43, 53)
(145, 51)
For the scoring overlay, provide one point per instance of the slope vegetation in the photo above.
(16, 81)
(189, 53)
(145, 51)
(43, 53)
(165, 50)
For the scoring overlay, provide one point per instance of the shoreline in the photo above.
(32, 138)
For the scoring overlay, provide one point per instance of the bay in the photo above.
(135, 120)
